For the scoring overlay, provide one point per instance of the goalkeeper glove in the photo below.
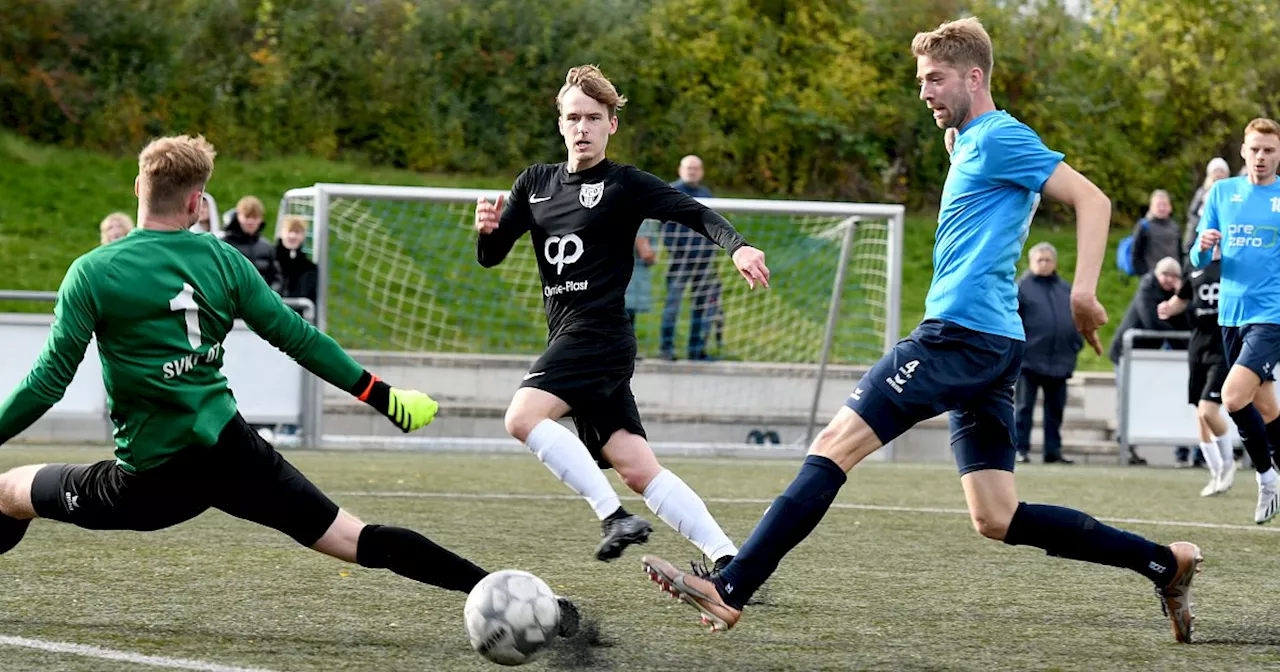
(407, 409)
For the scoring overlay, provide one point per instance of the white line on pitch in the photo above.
(757, 500)
(122, 656)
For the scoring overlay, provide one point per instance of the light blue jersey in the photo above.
(998, 166)
(1249, 218)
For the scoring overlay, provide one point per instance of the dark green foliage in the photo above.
(798, 97)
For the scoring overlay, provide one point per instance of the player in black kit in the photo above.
(582, 216)
(1207, 357)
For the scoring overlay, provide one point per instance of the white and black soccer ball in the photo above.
(511, 617)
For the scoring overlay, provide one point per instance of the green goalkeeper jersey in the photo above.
(160, 304)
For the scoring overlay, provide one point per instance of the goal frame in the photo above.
(322, 193)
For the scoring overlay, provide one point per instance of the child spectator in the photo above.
(298, 274)
(115, 226)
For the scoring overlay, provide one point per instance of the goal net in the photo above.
(719, 364)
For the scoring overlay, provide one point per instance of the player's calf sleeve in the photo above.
(668, 496)
(563, 453)
(1067, 533)
(1254, 434)
(416, 557)
(11, 532)
(788, 521)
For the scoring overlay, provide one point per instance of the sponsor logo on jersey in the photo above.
(590, 194)
(567, 249)
(187, 363)
(568, 286)
(1250, 235)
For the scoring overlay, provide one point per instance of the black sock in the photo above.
(1253, 432)
(416, 557)
(788, 521)
(1067, 533)
(11, 532)
(620, 513)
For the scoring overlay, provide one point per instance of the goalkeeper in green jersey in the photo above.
(160, 301)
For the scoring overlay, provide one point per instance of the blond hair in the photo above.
(1151, 202)
(595, 85)
(1264, 126)
(249, 206)
(962, 43)
(110, 222)
(170, 168)
(293, 223)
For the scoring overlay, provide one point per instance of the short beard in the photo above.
(959, 112)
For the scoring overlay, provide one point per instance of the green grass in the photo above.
(51, 200)
(869, 589)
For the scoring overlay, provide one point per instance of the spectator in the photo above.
(115, 226)
(692, 266)
(1156, 236)
(1216, 170)
(207, 221)
(1155, 288)
(1044, 303)
(640, 291)
(298, 274)
(244, 233)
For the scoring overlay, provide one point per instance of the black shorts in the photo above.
(1208, 374)
(591, 372)
(241, 475)
(941, 367)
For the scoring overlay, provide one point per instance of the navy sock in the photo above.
(788, 521)
(1253, 431)
(416, 557)
(1067, 533)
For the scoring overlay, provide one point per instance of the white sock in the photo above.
(1228, 449)
(681, 508)
(563, 453)
(1212, 457)
(1267, 477)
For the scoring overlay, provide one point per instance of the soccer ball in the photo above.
(511, 616)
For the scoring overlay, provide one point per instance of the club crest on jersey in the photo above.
(590, 194)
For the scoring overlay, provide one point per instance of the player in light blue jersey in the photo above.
(1242, 216)
(964, 357)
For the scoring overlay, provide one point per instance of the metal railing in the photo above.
(309, 393)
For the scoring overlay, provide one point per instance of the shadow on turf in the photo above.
(1238, 635)
(578, 651)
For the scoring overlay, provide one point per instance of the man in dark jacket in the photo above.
(244, 231)
(1156, 236)
(692, 258)
(1044, 302)
(1155, 287)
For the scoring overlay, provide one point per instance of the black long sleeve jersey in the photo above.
(583, 227)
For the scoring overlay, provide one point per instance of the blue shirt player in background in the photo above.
(1242, 214)
(964, 357)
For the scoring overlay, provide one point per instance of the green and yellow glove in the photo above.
(409, 410)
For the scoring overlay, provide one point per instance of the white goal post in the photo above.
(401, 289)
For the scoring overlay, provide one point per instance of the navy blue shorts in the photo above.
(1254, 346)
(941, 367)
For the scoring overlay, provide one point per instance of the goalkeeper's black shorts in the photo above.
(591, 372)
(241, 475)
